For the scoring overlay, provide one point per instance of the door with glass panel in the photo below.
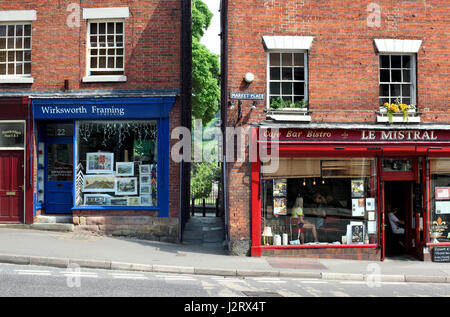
(59, 169)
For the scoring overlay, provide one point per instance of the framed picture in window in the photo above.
(96, 199)
(100, 163)
(124, 169)
(126, 186)
(145, 179)
(145, 189)
(144, 169)
(134, 201)
(99, 183)
(119, 201)
(146, 200)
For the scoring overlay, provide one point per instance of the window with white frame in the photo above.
(106, 48)
(15, 49)
(397, 79)
(287, 76)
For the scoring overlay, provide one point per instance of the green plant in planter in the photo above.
(280, 103)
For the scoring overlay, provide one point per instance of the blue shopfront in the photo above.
(102, 154)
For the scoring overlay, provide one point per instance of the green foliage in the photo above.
(279, 103)
(202, 177)
(205, 67)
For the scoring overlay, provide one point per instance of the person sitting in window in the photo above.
(318, 210)
(298, 213)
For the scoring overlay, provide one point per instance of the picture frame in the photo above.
(145, 169)
(145, 179)
(355, 233)
(146, 200)
(126, 186)
(119, 201)
(357, 186)
(96, 199)
(100, 163)
(145, 189)
(124, 168)
(134, 201)
(99, 183)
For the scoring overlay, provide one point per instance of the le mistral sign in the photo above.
(326, 135)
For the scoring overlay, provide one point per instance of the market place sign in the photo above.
(357, 135)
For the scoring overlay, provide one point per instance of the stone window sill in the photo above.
(16, 80)
(105, 79)
(289, 114)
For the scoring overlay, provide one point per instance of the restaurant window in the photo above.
(116, 163)
(440, 196)
(320, 201)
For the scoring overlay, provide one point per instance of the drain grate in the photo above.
(261, 294)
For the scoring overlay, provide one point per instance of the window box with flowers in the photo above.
(398, 113)
(282, 110)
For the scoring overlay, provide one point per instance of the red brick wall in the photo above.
(343, 65)
(152, 42)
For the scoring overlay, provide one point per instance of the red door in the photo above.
(11, 186)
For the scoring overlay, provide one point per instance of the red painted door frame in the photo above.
(11, 186)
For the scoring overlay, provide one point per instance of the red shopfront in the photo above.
(16, 190)
(334, 192)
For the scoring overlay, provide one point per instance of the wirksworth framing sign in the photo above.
(325, 135)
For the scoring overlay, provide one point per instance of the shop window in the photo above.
(116, 163)
(15, 50)
(440, 195)
(320, 201)
(397, 79)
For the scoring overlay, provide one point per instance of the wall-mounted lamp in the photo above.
(230, 104)
(254, 105)
(249, 78)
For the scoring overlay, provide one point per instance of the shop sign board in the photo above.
(12, 134)
(247, 96)
(341, 135)
(441, 254)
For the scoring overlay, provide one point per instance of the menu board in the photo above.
(441, 254)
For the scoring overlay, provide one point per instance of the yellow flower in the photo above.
(404, 107)
(393, 107)
(386, 104)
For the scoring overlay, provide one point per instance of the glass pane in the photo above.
(406, 61)
(406, 90)
(119, 51)
(102, 28)
(27, 68)
(287, 73)
(2, 43)
(102, 62)
(397, 165)
(110, 28)
(274, 73)
(119, 41)
(27, 43)
(93, 62)
(119, 62)
(110, 40)
(2, 57)
(27, 30)
(299, 59)
(19, 43)
(299, 88)
(119, 28)
(19, 56)
(10, 30)
(110, 62)
(60, 162)
(299, 73)
(111, 52)
(11, 69)
(59, 130)
(94, 28)
(395, 90)
(11, 43)
(384, 100)
(275, 59)
(384, 90)
(2, 69)
(19, 30)
(406, 101)
(385, 61)
(274, 88)
(396, 61)
(27, 56)
(2, 30)
(11, 56)
(12, 134)
(102, 41)
(286, 59)
(396, 76)
(19, 69)
(406, 76)
(385, 76)
(102, 52)
(94, 42)
(286, 88)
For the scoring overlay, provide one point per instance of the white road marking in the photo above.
(33, 272)
(129, 276)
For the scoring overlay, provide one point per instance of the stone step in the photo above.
(53, 226)
(53, 219)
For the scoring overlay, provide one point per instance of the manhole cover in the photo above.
(261, 294)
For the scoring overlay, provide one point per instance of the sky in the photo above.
(211, 38)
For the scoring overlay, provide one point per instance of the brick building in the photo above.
(352, 97)
(100, 85)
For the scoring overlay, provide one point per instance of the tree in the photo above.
(205, 67)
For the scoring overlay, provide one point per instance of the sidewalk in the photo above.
(25, 246)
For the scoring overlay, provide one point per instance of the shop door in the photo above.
(11, 186)
(59, 180)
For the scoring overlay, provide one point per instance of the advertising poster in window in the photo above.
(357, 188)
(279, 196)
(358, 209)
